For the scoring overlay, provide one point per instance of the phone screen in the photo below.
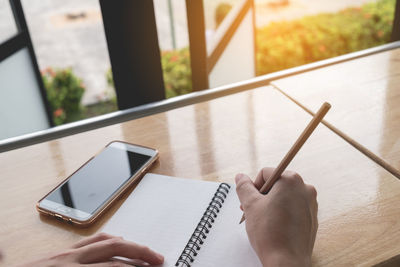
(89, 187)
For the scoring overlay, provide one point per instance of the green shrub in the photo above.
(109, 78)
(110, 93)
(220, 13)
(283, 45)
(64, 93)
(177, 72)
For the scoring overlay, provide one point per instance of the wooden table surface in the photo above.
(365, 98)
(214, 140)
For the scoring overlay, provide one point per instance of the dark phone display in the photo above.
(93, 184)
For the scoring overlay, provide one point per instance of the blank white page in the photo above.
(227, 243)
(162, 213)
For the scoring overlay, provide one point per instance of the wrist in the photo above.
(278, 259)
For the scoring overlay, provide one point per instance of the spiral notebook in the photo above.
(190, 222)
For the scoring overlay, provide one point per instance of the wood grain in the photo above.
(215, 140)
(364, 94)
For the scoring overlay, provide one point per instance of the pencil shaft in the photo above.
(294, 149)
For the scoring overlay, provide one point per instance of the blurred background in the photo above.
(71, 49)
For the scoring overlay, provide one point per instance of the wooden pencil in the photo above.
(294, 149)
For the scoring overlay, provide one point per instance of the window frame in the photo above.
(22, 40)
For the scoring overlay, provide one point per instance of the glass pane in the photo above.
(236, 62)
(174, 44)
(230, 67)
(214, 13)
(21, 108)
(297, 32)
(8, 28)
(171, 24)
(71, 49)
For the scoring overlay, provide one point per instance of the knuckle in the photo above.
(292, 178)
(312, 191)
(103, 235)
(114, 244)
(266, 170)
(293, 175)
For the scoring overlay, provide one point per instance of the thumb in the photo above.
(245, 190)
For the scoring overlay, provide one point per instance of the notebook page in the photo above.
(162, 213)
(228, 244)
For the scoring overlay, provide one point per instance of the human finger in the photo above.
(111, 263)
(314, 228)
(92, 239)
(311, 191)
(106, 249)
(262, 176)
(311, 195)
(245, 190)
(288, 181)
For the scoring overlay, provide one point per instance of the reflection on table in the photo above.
(215, 140)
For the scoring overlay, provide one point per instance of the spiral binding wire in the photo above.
(203, 227)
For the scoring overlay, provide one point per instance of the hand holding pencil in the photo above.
(294, 149)
(282, 221)
(281, 225)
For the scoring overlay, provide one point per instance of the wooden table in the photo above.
(214, 140)
(365, 98)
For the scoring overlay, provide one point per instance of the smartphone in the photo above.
(89, 191)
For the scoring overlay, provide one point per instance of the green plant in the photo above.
(283, 45)
(99, 108)
(109, 78)
(220, 13)
(64, 93)
(110, 93)
(177, 72)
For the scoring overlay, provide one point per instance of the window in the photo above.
(296, 32)
(8, 28)
(23, 108)
(71, 49)
(244, 38)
